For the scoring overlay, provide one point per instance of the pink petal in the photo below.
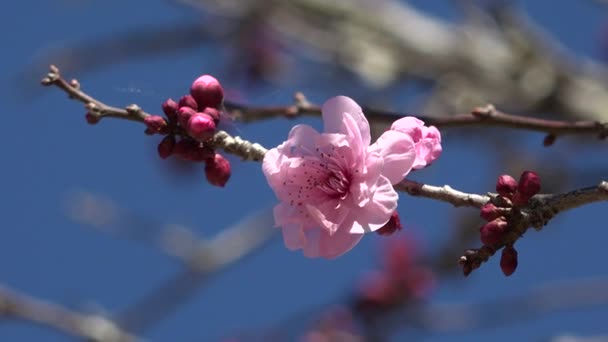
(321, 244)
(301, 137)
(379, 210)
(335, 109)
(365, 180)
(409, 125)
(328, 215)
(399, 154)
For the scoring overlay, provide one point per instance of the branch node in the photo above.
(484, 112)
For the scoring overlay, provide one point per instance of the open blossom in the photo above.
(426, 139)
(335, 186)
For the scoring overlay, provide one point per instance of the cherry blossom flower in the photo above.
(334, 186)
(426, 139)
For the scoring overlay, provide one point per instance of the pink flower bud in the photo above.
(170, 108)
(201, 127)
(489, 212)
(154, 123)
(213, 113)
(493, 231)
(92, 119)
(188, 101)
(508, 260)
(529, 184)
(207, 92)
(427, 140)
(184, 114)
(393, 225)
(506, 185)
(166, 146)
(217, 170)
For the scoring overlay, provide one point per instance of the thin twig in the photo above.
(486, 116)
(14, 305)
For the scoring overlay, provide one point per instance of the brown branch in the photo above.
(540, 210)
(486, 116)
(14, 305)
(233, 145)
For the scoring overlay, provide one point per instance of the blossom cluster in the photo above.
(511, 194)
(189, 125)
(335, 186)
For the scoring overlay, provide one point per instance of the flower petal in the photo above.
(399, 153)
(321, 244)
(335, 109)
(379, 210)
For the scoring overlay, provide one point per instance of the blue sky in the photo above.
(49, 151)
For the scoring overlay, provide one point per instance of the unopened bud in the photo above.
(493, 231)
(213, 113)
(166, 146)
(207, 92)
(188, 101)
(489, 212)
(170, 108)
(92, 119)
(201, 127)
(154, 123)
(506, 185)
(217, 170)
(184, 114)
(529, 184)
(508, 260)
(393, 225)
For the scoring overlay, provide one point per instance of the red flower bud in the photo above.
(184, 114)
(92, 119)
(217, 170)
(489, 212)
(188, 101)
(529, 184)
(508, 260)
(184, 147)
(170, 108)
(207, 92)
(201, 153)
(154, 123)
(201, 127)
(393, 225)
(506, 185)
(166, 146)
(493, 231)
(213, 113)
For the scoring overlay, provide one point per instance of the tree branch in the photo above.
(540, 210)
(537, 213)
(486, 116)
(14, 305)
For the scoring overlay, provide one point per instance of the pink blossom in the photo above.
(426, 139)
(335, 186)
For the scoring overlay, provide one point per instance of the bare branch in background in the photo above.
(17, 306)
(202, 258)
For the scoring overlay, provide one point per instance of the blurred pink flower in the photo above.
(426, 139)
(335, 186)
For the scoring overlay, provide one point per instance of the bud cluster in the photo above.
(511, 194)
(189, 125)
